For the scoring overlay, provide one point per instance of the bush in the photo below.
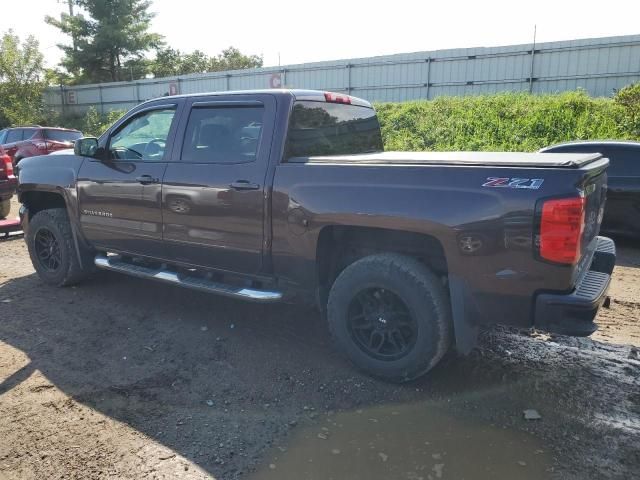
(629, 99)
(502, 122)
(92, 124)
(95, 124)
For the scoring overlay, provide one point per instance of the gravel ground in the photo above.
(123, 378)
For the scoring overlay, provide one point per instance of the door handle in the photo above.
(146, 179)
(244, 185)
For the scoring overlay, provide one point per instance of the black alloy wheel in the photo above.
(381, 324)
(47, 250)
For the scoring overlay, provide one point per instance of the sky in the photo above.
(294, 31)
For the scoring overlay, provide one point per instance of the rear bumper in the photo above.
(573, 313)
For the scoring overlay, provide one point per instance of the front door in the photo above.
(119, 194)
(213, 197)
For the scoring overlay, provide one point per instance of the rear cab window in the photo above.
(323, 128)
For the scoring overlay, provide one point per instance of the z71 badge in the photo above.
(528, 183)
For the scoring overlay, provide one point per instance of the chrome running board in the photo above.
(194, 283)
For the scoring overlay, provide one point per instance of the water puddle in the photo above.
(413, 442)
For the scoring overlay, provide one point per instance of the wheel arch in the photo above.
(339, 246)
(42, 199)
(36, 200)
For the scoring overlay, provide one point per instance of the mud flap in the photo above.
(466, 332)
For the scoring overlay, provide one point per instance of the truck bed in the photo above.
(494, 159)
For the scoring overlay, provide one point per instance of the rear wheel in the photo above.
(391, 316)
(53, 250)
(5, 208)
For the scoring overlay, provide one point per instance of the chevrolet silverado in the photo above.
(288, 195)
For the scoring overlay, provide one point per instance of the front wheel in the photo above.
(53, 250)
(391, 316)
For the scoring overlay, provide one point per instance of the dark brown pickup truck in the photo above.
(288, 195)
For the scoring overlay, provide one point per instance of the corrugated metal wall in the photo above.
(598, 65)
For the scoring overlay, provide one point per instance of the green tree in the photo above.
(172, 62)
(233, 59)
(107, 36)
(22, 80)
(195, 62)
(167, 63)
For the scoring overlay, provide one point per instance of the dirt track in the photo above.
(122, 378)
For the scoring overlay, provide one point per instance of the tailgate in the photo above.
(594, 188)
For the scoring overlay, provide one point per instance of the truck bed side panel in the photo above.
(448, 203)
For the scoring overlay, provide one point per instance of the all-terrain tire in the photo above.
(426, 302)
(54, 224)
(5, 208)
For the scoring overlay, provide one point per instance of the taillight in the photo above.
(7, 165)
(335, 98)
(561, 227)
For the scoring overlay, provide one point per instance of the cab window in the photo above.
(223, 134)
(143, 137)
(320, 128)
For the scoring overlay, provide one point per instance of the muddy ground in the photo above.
(122, 378)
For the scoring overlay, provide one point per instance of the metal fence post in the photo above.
(101, 100)
(62, 100)
(428, 76)
(349, 78)
(533, 54)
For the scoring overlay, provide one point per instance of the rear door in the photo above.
(119, 193)
(213, 196)
(33, 143)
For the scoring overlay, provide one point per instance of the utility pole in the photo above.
(73, 35)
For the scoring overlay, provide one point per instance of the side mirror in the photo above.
(86, 146)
